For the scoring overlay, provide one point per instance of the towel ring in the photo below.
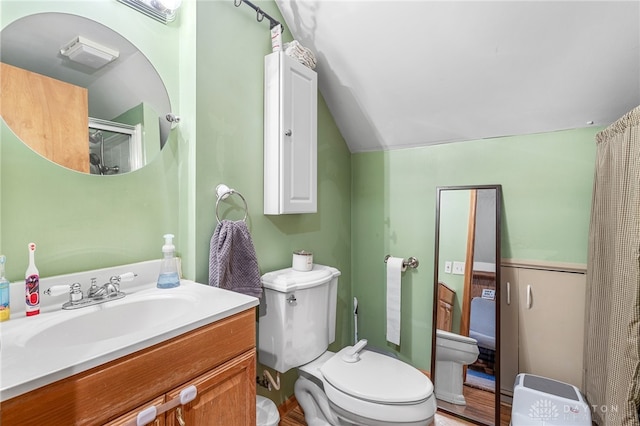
(222, 192)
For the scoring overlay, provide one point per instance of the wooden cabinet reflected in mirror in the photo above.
(465, 362)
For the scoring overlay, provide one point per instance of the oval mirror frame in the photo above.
(127, 92)
(468, 234)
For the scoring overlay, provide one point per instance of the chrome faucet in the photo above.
(95, 295)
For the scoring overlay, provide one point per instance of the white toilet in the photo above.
(452, 352)
(352, 387)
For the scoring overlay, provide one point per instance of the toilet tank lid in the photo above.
(286, 280)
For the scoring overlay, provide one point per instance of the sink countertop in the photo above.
(25, 367)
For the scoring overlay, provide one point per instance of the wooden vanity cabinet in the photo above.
(218, 358)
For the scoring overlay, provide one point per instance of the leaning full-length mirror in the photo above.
(465, 357)
(80, 94)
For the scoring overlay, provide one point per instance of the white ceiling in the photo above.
(399, 74)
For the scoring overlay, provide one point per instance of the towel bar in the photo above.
(411, 262)
(222, 192)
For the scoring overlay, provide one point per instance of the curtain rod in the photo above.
(260, 14)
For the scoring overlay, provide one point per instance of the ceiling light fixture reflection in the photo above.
(89, 53)
(160, 10)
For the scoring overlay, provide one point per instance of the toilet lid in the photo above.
(377, 378)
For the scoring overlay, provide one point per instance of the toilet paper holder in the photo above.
(411, 262)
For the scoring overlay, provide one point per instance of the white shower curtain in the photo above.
(612, 339)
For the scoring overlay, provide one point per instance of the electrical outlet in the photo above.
(458, 268)
(447, 267)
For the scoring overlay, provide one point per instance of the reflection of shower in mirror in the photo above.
(113, 147)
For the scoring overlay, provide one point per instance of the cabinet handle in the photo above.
(529, 296)
(147, 415)
(288, 133)
(508, 293)
(179, 416)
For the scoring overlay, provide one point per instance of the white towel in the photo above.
(394, 270)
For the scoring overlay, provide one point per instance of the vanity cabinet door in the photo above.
(226, 396)
(445, 307)
(131, 415)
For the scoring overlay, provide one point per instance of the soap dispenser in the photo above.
(168, 277)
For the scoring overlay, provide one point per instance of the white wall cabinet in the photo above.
(541, 325)
(290, 136)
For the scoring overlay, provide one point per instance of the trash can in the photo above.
(266, 412)
(541, 401)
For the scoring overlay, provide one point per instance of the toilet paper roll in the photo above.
(395, 267)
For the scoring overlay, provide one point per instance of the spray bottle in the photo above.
(32, 284)
(5, 312)
(168, 277)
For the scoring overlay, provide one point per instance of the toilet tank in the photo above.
(297, 317)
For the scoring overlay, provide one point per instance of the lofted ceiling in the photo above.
(398, 74)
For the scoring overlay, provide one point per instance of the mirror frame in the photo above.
(439, 190)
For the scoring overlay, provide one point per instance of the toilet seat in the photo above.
(377, 378)
(378, 387)
(455, 337)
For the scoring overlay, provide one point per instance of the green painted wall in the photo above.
(546, 182)
(230, 63)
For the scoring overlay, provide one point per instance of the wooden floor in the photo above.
(295, 417)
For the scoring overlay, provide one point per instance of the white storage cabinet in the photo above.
(542, 324)
(290, 136)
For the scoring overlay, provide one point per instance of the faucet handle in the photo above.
(58, 290)
(127, 276)
(74, 291)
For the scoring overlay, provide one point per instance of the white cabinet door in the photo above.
(290, 136)
(551, 324)
(542, 328)
(508, 329)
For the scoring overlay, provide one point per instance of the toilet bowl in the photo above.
(452, 352)
(352, 387)
(376, 390)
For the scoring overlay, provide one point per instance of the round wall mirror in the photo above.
(81, 95)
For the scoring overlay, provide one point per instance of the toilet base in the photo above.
(448, 384)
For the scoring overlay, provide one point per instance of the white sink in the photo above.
(110, 320)
(57, 343)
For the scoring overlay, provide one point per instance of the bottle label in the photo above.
(32, 295)
(4, 301)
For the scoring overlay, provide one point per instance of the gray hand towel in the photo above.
(233, 264)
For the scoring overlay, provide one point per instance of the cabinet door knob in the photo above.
(529, 296)
(288, 132)
(508, 293)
